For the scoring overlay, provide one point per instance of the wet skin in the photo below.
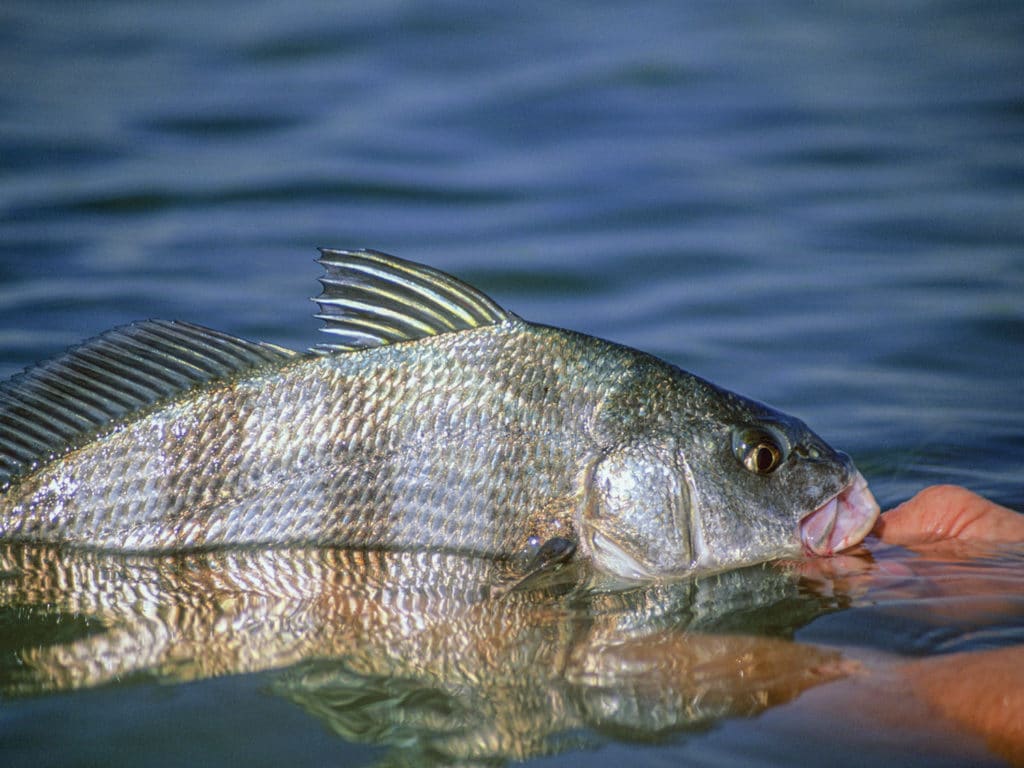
(949, 512)
(983, 691)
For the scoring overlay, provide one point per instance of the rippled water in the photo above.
(819, 207)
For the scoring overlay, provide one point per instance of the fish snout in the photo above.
(841, 522)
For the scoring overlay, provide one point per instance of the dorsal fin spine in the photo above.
(372, 299)
(353, 339)
(431, 296)
(371, 329)
(447, 288)
(424, 328)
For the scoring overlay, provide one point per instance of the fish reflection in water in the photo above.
(421, 651)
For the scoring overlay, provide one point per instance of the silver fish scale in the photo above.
(471, 441)
(434, 420)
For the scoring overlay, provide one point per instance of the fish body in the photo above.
(437, 420)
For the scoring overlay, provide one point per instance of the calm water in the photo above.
(820, 208)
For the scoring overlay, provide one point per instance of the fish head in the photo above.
(728, 483)
(766, 486)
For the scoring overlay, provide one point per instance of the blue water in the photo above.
(818, 206)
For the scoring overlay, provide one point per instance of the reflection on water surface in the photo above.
(429, 656)
(417, 651)
(817, 205)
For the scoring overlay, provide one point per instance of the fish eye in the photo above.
(758, 450)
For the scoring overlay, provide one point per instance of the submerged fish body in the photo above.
(436, 420)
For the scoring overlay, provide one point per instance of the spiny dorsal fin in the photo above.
(51, 407)
(371, 299)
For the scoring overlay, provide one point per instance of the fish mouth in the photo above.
(842, 521)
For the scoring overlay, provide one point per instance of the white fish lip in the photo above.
(841, 522)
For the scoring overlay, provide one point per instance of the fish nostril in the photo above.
(814, 450)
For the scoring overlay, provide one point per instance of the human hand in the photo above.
(981, 690)
(949, 513)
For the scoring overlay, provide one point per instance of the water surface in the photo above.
(819, 207)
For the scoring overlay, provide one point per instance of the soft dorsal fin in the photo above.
(371, 299)
(52, 407)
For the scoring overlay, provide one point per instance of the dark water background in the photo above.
(815, 205)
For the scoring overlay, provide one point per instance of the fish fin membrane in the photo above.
(371, 299)
(50, 408)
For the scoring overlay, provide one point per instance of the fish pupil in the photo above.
(764, 458)
(758, 449)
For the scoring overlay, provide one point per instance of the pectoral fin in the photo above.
(549, 559)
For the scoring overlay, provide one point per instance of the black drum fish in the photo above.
(433, 420)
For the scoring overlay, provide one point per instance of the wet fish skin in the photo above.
(485, 436)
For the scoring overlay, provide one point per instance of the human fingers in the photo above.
(949, 512)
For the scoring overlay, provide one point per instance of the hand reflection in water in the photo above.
(953, 589)
(981, 690)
